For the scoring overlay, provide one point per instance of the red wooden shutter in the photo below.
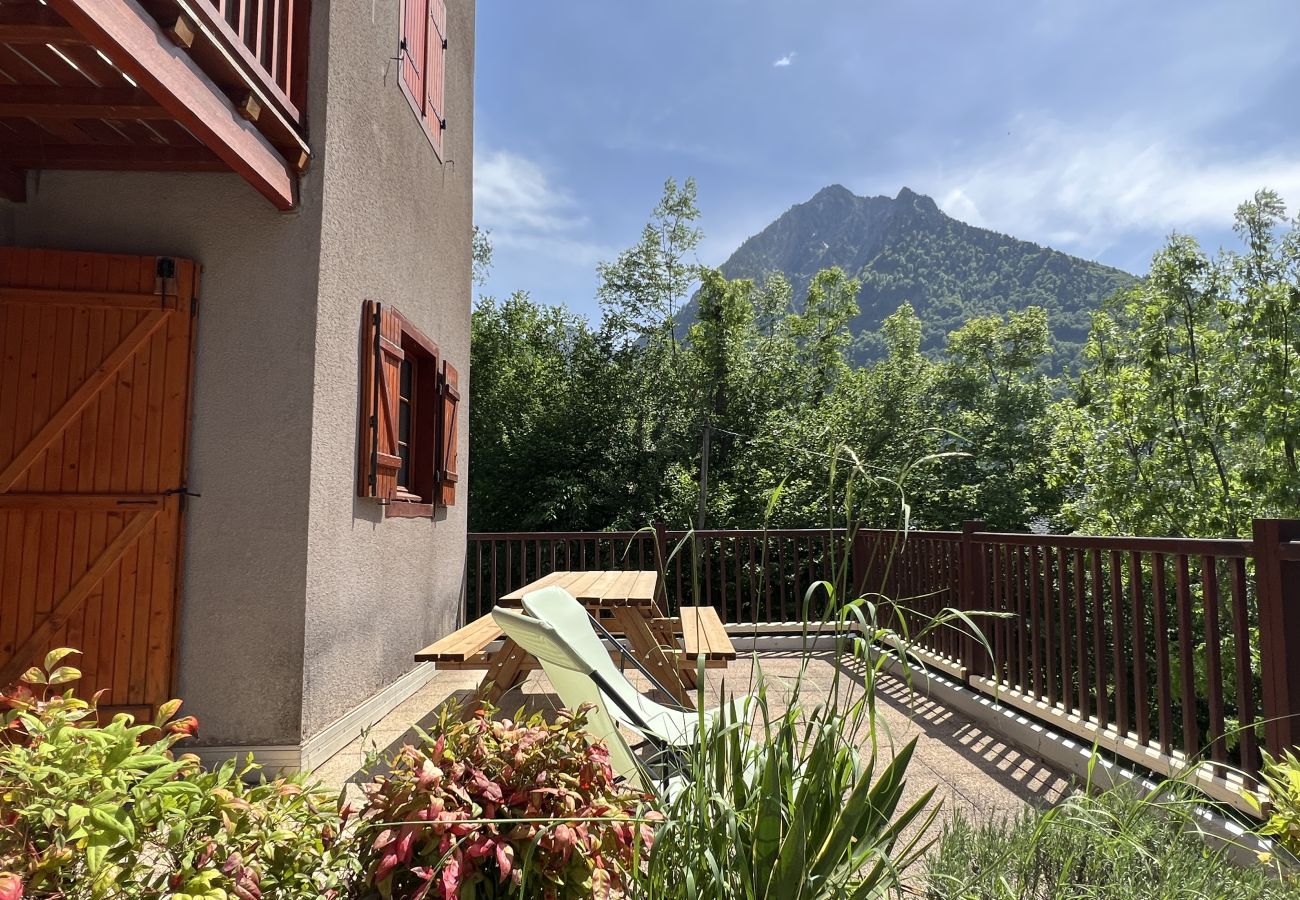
(414, 36)
(447, 478)
(380, 371)
(435, 56)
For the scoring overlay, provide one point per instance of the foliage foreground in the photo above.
(99, 811)
(503, 808)
(1111, 846)
(794, 814)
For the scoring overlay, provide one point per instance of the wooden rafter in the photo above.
(52, 101)
(125, 157)
(34, 24)
(132, 39)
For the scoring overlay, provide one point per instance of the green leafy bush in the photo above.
(1111, 846)
(1281, 776)
(793, 814)
(93, 810)
(502, 808)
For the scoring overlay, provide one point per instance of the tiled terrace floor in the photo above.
(975, 771)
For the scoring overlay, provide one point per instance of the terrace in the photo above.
(1171, 655)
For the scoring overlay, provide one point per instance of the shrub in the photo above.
(1281, 776)
(95, 810)
(502, 808)
(1111, 846)
(792, 814)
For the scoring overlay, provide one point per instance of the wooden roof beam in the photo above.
(34, 24)
(132, 39)
(50, 101)
(113, 157)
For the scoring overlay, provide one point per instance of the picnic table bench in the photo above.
(627, 604)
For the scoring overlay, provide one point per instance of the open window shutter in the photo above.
(414, 38)
(435, 56)
(381, 369)
(449, 386)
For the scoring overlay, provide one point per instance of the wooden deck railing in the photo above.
(1162, 650)
(267, 39)
(748, 575)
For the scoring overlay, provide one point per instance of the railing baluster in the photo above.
(1187, 656)
(1024, 673)
(1035, 627)
(1080, 636)
(1049, 630)
(1067, 681)
(767, 580)
(707, 554)
(999, 603)
(1213, 657)
(1117, 644)
(1245, 677)
(1161, 627)
(780, 563)
(496, 592)
(478, 580)
(1098, 653)
(1141, 684)
(675, 548)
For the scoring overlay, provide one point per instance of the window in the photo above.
(409, 403)
(423, 54)
(404, 396)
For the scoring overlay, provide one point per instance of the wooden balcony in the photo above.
(159, 85)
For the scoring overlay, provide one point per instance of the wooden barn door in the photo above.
(96, 354)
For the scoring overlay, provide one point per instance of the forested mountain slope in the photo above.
(907, 249)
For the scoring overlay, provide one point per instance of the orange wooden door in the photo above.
(96, 353)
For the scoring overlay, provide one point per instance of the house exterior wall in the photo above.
(397, 227)
(299, 601)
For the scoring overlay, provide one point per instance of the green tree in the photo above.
(1184, 421)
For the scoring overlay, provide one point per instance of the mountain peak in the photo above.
(905, 249)
(833, 191)
(917, 201)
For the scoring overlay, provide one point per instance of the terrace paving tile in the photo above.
(972, 769)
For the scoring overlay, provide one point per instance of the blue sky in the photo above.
(1094, 126)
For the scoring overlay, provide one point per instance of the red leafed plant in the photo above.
(503, 808)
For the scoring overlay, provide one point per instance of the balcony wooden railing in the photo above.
(1182, 655)
(265, 38)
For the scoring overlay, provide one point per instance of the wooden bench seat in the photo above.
(463, 644)
(704, 634)
(467, 648)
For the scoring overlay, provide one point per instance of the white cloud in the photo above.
(786, 60)
(514, 193)
(516, 200)
(1083, 187)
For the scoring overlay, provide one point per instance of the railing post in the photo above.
(661, 547)
(1277, 590)
(860, 555)
(974, 586)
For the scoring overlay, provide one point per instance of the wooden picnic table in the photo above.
(627, 604)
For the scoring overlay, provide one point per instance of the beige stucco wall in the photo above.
(299, 601)
(397, 226)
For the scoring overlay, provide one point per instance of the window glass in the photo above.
(404, 397)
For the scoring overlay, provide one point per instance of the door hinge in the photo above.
(184, 492)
